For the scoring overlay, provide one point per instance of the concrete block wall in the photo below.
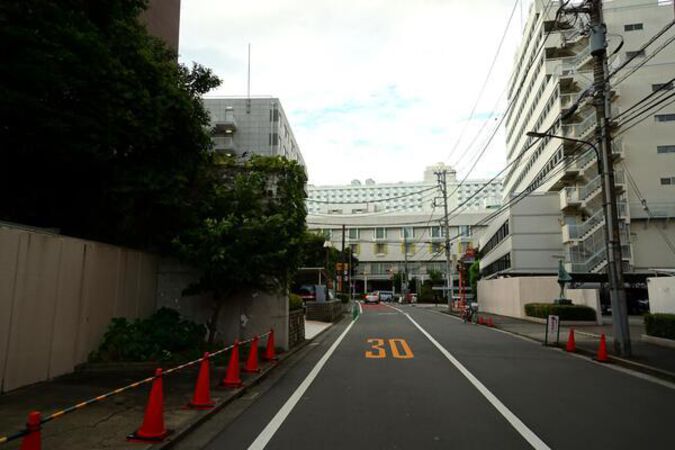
(324, 311)
(296, 327)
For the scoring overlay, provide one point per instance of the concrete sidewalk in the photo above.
(646, 357)
(105, 425)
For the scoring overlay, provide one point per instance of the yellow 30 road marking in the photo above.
(407, 353)
(378, 344)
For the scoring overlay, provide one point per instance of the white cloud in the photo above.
(373, 89)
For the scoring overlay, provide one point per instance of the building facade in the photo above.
(248, 126)
(550, 96)
(524, 239)
(162, 19)
(403, 197)
(399, 243)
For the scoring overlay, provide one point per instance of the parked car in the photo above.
(386, 296)
(373, 297)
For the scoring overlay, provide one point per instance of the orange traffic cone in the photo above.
(252, 361)
(201, 399)
(602, 350)
(480, 320)
(152, 429)
(33, 440)
(571, 344)
(269, 350)
(232, 378)
(490, 323)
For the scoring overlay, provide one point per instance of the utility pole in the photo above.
(617, 293)
(441, 176)
(404, 280)
(342, 261)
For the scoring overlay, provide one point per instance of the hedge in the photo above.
(660, 325)
(294, 302)
(565, 312)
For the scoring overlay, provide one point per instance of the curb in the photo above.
(178, 435)
(626, 363)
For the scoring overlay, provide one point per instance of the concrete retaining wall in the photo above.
(661, 294)
(244, 315)
(57, 296)
(508, 296)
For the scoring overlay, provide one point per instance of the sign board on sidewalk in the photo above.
(552, 329)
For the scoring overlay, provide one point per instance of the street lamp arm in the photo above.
(564, 138)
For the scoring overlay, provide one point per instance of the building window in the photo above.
(665, 149)
(436, 232)
(464, 230)
(406, 233)
(635, 53)
(274, 139)
(632, 27)
(664, 117)
(353, 233)
(408, 249)
(380, 249)
(380, 233)
(668, 180)
(326, 233)
(355, 248)
(662, 86)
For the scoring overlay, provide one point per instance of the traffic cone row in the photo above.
(487, 322)
(152, 428)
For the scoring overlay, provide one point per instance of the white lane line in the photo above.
(625, 370)
(266, 434)
(515, 422)
(360, 308)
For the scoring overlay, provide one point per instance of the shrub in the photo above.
(565, 312)
(163, 336)
(660, 325)
(294, 302)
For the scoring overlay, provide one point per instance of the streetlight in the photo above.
(617, 293)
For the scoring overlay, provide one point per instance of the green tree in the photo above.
(103, 134)
(398, 282)
(436, 277)
(253, 232)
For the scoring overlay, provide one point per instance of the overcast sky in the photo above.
(372, 88)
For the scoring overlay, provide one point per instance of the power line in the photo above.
(377, 213)
(487, 77)
(647, 108)
(641, 49)
(645, 206)
(661, 89)
(624, 130)
(327, 202)
(645, 60)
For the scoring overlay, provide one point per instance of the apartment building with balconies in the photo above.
(394, 243)
(551, 97)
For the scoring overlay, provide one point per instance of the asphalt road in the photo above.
(434, 382)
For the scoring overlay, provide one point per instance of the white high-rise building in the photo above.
(643, 151)
(404, 197)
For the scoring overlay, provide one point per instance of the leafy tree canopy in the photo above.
(102, 133)
(253, 231)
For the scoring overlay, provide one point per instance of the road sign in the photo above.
(552, 329)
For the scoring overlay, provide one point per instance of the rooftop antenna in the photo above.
(248, 82)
